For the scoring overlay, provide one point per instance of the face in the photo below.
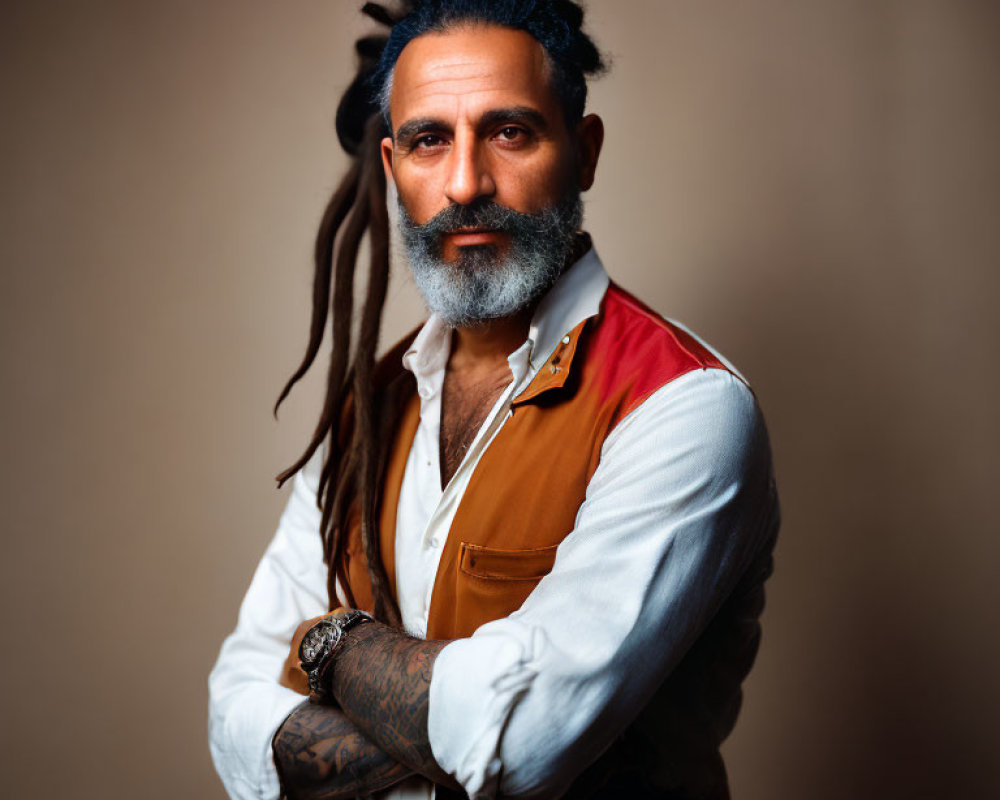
(482, 158)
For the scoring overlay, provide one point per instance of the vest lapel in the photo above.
(555, 371)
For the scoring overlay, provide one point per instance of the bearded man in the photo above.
(543, 521)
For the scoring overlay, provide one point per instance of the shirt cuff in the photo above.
(469, 706)
(241, 742)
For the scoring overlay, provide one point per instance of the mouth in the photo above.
(469, 237)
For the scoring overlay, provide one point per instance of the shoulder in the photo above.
(633, 352)
(715, 405)
(685, 397)
(702, 435)
(637, 332)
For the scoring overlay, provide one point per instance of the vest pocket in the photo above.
(506, 565)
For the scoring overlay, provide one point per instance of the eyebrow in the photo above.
(522, 114)
(409, 129)
(490, 119)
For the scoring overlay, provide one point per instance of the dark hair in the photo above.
(555, 24)
(364, 399)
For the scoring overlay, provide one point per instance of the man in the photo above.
(557, 505)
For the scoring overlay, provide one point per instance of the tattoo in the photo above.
(320, 753)
(381, 678)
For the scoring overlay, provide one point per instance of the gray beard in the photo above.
(484, 284)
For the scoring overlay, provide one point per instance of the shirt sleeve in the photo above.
(246, 702)
(680, 503)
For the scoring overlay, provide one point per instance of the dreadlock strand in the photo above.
(368, 407)
(343, 317)
(336, 211)
(379, 13)
(343, 309)
(343, 300)
(339, 481)
(334, 523)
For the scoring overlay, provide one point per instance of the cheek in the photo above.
(421, 193)
(529, 184)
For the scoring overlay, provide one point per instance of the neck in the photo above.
(489, 343)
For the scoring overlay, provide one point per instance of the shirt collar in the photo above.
(575, 297)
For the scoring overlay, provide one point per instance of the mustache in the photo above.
(483, 214)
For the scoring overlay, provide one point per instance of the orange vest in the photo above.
(523, 497)
(522, 501)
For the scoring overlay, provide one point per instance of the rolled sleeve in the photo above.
(678, 507)
(246, 702)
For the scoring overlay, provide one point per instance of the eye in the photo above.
(512, 134)
(427, 142)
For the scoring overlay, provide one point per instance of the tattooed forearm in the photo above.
(320, 753)
(381, 679)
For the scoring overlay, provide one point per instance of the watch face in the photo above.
(317, 641)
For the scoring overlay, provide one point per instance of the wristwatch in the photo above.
(321, 643)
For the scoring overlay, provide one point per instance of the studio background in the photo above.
(812, 186)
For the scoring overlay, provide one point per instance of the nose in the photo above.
(469, 176)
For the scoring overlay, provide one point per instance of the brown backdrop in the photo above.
(812, 186)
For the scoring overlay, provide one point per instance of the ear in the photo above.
(386, 150)
(590, 139)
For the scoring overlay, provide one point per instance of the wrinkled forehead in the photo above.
(469, 69)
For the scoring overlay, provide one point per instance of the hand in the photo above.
(292, 675)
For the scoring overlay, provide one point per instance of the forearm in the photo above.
(321, 753)
(382, 682)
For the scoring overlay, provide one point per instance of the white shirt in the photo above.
(683, 486)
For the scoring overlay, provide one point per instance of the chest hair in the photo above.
(465, 402)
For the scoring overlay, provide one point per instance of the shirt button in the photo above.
(565, 340)
(424, 392)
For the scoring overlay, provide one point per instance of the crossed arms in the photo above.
(678, 509)
(378, 735)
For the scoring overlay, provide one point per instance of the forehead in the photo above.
(470, 69)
